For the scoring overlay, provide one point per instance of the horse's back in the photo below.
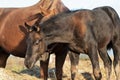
(111, 13)
(94, 25)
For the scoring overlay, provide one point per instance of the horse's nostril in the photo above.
(26, 63)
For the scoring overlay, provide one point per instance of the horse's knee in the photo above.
(73, 71)
(117, 71)
(59, 73)
(97, 75)
(41, 73)
(44, 69)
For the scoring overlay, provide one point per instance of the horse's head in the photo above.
(35, 46)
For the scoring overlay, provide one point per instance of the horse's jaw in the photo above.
(44, 57)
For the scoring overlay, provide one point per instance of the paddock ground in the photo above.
(15, 70)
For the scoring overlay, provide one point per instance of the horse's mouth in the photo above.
(29, 65)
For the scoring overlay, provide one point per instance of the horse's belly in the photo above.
(14, 45)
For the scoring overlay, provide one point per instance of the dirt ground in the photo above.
(15, 70)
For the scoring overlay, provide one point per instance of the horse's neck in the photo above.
(53, 4)
(45, 4)
(34, 7)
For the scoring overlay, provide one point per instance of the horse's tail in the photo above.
(112, 14)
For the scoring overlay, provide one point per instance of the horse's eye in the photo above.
(36, 42)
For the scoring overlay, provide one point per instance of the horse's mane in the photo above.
(63, 14)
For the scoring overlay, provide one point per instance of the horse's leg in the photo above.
(74, 59)
(107, 62)
(60, 59)
(44, 68)
(3, 58)
(92, 53)
(116, 62)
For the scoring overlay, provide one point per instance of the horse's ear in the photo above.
(43, 11)
(32, 28)
(36, 28)
(28, 27)
(53, 12)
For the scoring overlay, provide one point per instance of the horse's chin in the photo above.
(44, 57)
(29, 64)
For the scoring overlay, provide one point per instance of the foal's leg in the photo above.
(74, 59)
(44, 68)
(3, 58)
(92, 53)
(116, 62)
(107, 62)
(60, 59)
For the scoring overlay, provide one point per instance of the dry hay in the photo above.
(10, 75)
(16, 70)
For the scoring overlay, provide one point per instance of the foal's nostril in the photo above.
(27, 64)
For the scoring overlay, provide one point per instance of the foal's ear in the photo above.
(28, 27)
(36, 28)
(32, 28)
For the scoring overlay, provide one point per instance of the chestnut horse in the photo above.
(13, 40)
(12, 37)
(80, 31)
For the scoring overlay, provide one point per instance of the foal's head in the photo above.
(35, 46)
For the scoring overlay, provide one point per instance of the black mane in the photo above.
(58, 16)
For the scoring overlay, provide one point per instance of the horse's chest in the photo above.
(10, 40)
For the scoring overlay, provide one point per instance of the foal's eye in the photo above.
(36, 42)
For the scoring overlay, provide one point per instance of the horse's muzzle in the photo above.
(28, 64)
